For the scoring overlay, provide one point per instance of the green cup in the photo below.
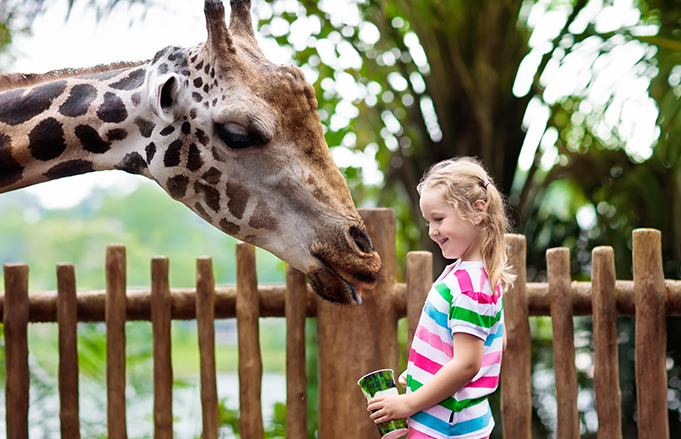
(378, 383)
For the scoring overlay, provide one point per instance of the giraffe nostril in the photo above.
(362, 240)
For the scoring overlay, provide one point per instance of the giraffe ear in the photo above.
(164, 95)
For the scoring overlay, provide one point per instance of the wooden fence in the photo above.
(352, 340)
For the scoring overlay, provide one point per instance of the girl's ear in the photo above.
(478, 209)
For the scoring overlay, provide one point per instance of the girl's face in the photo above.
(458, 238)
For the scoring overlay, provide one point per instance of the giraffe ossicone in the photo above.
(232, 136)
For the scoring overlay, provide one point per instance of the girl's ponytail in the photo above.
(493, 248)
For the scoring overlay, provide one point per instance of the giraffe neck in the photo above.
(78, 122)
(235, 138)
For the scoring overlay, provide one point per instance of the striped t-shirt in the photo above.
(461, 300)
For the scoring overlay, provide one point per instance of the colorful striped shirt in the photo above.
(461, 300)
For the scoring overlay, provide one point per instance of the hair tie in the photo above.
(486, 183)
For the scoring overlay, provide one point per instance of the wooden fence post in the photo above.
(651, 335)
(115, 309)
(606, 373)
(296, 375)
(15, 321)
(250, 358)
(67, 318)
(205, 321)
(516, 368)
(163, 370)
(355, 340)
(560, 294)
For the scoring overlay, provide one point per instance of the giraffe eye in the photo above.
(237, 136)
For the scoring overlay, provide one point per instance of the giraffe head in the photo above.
(241, 144)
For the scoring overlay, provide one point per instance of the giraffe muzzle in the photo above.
(347, 264)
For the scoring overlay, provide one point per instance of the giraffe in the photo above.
(221, 129)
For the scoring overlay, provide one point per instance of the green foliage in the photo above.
(146, 221)
(275, 429)
(5, 36)
(593, 152)
(312, 366)
(404, 84)
(228, 418)
(44, 360)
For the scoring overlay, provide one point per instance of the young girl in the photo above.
(456, 353)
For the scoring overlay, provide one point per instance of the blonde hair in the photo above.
(462, 181)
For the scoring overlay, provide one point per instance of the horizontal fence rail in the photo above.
(352, 340)
(90, 305)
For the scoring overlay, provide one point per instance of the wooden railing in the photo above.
(649, 297)
(352, 340)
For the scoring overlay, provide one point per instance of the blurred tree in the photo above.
(601, 166)
(558, 98)
(430, 80)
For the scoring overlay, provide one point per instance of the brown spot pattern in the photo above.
(46, 140)
(229, 227)
(261, 218)
(177, 186)
(112, 109)
(210, 195)
(10, 170)
(238, 197)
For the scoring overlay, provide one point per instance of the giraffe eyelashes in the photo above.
(238, 137)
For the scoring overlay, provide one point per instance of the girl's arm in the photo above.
(468, 351)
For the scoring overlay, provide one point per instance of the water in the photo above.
(44, 410)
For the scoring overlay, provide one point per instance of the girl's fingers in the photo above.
(373, 404)
(403, 379)
(377, 418)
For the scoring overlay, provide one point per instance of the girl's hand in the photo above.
(389, 407)
(403, 379)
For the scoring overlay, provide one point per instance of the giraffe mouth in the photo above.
(344, 265)
(329, 285)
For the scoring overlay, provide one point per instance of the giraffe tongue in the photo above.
(357, 294)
